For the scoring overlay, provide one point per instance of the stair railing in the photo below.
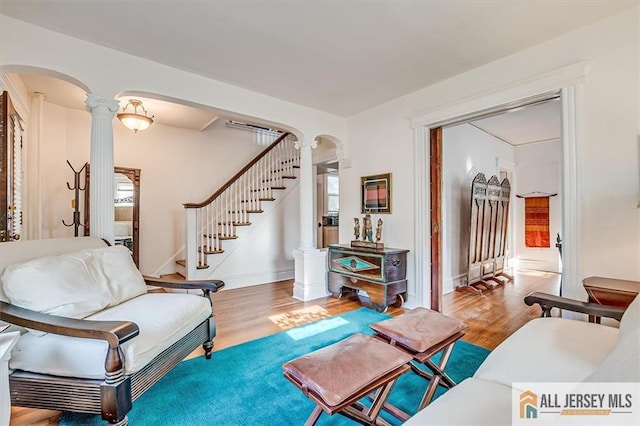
(215, 219)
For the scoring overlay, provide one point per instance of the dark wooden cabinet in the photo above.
(377, 276)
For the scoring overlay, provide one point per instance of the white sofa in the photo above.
(93, 339)
(543, 350)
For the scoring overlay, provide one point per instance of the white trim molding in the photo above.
(18, 94)
(419, 290)
(571, 97)
(525, 90)
(567, 81)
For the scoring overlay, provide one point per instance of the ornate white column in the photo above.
(101, 217)
(310, 263)
(307, 194)
(32, 184)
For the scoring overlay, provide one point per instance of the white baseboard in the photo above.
(248, 280)
(538, 265)
(450, 284)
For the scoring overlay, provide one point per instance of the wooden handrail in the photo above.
(236, 176)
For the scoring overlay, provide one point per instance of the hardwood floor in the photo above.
(253, 312)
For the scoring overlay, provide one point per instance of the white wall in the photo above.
(380, 140)
(466, 151)
(538, 168)
(177, 166)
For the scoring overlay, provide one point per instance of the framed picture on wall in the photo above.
(376, 193)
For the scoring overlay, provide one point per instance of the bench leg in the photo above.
(437, 377)
(313, 418)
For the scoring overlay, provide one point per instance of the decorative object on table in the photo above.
(489, 216)
(356, 228)
(379, 231)
(378, 276)
(75, 203)
(367, 234)
(368, 229)
(376, 193)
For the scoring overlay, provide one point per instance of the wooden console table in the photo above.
(379, 273)
(610, 291)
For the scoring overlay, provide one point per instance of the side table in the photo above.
(7, 341)
(610, 291)
(380, 273)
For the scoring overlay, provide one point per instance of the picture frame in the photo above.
(375, 193)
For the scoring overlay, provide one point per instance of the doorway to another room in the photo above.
(522, 147)
(328, 204)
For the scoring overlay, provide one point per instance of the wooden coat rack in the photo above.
(76, 201)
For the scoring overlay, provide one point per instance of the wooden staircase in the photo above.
(214, 224)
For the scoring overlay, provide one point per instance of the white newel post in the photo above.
(310, 263)
(101, 207)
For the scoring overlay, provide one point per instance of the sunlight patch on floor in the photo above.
(534, 273)
(298, 317)
(316, 328)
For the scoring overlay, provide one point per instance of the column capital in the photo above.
(94, 102)
(305, 143)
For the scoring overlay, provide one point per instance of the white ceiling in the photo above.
(342, 57)
(529, 124)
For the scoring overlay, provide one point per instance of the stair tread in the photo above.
(224, 237)
(214, 251)
(182, 262)
(272, 187)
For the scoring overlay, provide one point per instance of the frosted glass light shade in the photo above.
(134, 120)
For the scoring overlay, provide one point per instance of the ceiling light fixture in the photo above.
(134, 120)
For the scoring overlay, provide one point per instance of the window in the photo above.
(333, 194)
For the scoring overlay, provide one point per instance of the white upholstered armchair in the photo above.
(93, 339)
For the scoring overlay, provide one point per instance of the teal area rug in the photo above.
(244, 385)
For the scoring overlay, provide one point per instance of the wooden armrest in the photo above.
(210, 285)
(549, 301)
(114, 332)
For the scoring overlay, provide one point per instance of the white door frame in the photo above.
(568, 82)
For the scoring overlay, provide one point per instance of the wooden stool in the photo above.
(336, 377)
(423, 333)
